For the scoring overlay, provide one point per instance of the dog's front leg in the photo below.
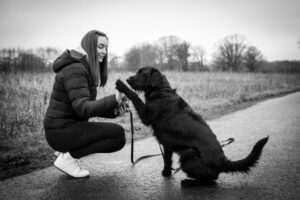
(139, 105)
(167, 171)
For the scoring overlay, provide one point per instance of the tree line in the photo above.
(233, 53)
(17, 59)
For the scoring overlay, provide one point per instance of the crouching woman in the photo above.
(73, 102)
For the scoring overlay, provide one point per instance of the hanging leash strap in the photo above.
(132, 139)
(226, 142)
(132, 144)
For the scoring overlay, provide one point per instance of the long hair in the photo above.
(98, 70)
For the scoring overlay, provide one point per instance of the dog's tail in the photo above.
(245, 164)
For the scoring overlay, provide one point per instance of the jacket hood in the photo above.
(68, 57)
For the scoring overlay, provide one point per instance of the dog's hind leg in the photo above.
(195, 166)
(167, 171)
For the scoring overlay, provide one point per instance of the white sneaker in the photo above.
(66, 163)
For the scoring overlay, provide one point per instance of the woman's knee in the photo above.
(120, 136)
(54, 141)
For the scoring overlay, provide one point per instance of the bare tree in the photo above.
(51, 54)
(168, 45)
(141, 55)
(113, 61)
(198, 52)
(48, 54)
(230, 52)
(149, 55)
(133, 59)
(182, 53)
(252, 58)
(160, 54)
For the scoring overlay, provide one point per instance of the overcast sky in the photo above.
(273, 26)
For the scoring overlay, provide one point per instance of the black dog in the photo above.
(179, 129)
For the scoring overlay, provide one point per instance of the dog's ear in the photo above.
(156, 78)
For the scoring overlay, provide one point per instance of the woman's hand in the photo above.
(123, 106)
(119, 96)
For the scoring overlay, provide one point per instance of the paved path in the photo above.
(277, 175)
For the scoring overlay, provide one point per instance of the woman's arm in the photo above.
(76, 85)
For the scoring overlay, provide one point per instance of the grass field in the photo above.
(24, 98)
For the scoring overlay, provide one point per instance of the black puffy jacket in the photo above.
(73, 96)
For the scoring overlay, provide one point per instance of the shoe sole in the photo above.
(71, 175)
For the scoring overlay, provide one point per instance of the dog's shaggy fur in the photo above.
(179, 129)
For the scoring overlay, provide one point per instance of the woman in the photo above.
(73, 102)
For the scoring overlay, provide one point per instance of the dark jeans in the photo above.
(84, 138)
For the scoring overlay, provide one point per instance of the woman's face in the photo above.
(102, 47)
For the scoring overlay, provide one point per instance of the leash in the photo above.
(147, 156)
(229, 140)
(132, 134)
(132, 144)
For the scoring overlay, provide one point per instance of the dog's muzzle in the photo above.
(131, 83)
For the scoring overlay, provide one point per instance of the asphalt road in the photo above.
(277, 175)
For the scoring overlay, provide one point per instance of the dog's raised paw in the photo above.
(121, 86)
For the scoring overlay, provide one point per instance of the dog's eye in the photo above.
(140, 71)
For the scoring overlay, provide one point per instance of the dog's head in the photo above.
(147, 78)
